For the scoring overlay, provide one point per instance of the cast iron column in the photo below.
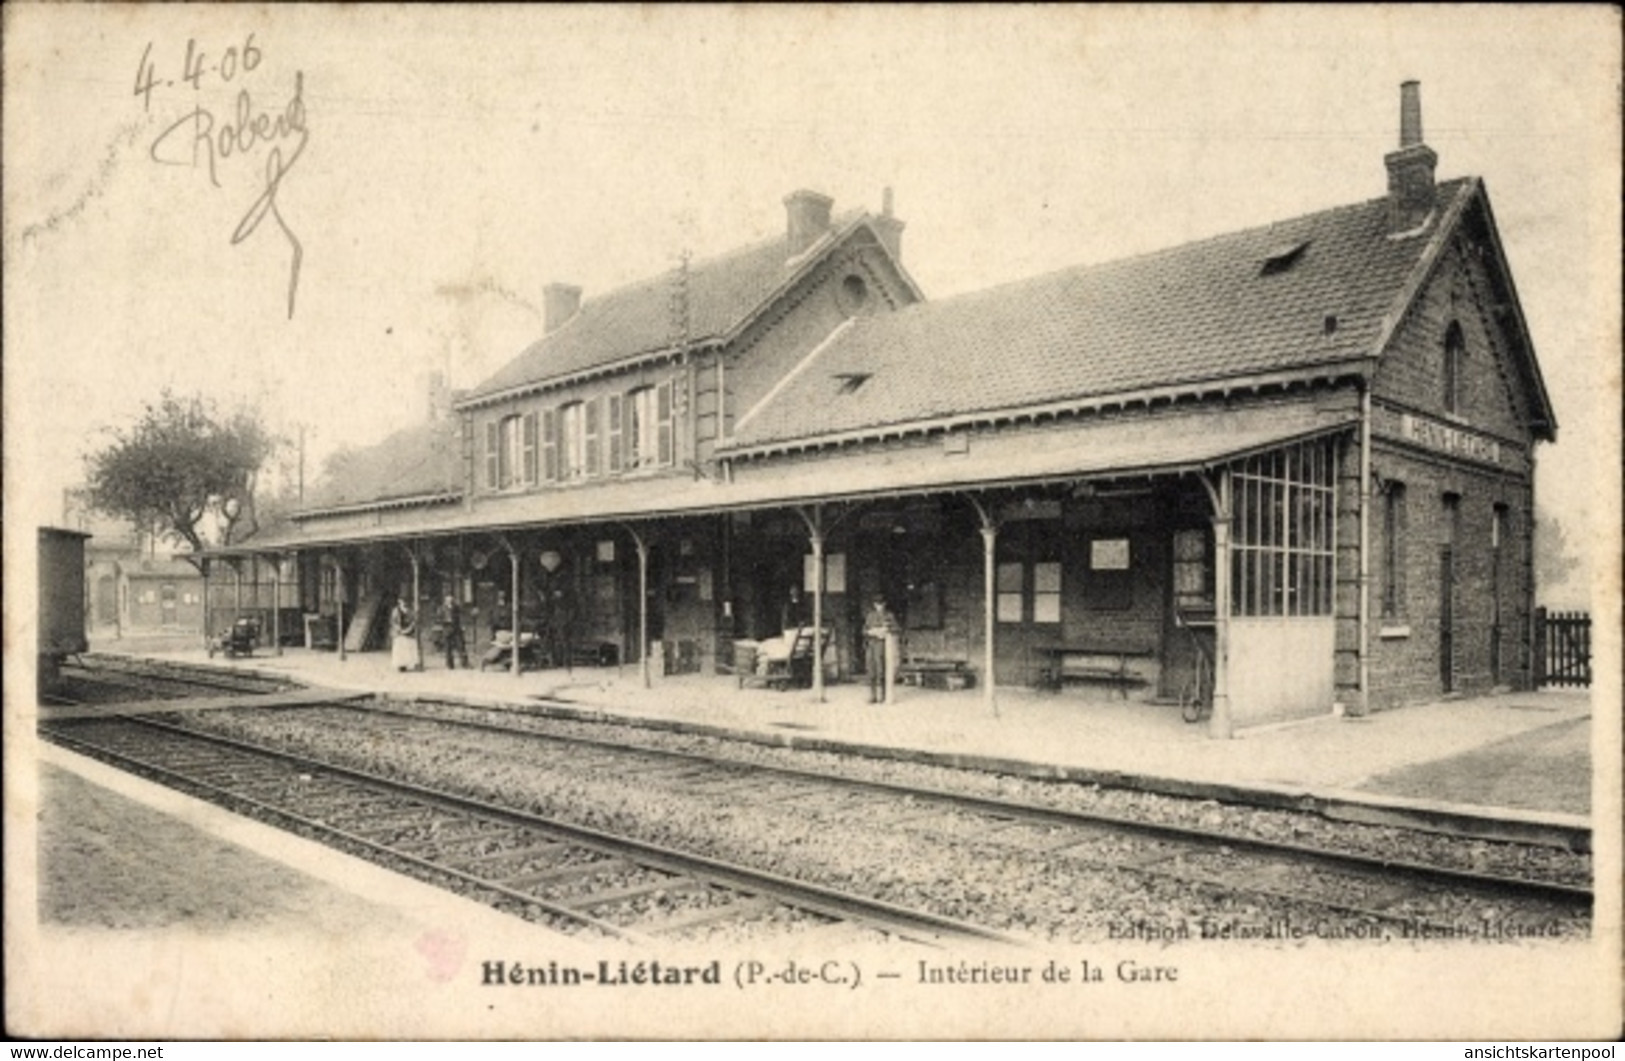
(1220, 725)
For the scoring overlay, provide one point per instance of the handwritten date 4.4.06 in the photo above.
(195, 68)
(199, 139)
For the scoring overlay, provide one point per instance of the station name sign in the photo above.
(1431, 434)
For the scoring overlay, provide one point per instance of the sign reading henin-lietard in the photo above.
(1442, 437)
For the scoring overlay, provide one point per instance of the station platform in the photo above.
(158, 916)
(1505, 766)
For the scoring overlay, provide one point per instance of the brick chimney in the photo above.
(560, 302)
(440, 396)
(807, 215)
(888, 227)
(1410, 169)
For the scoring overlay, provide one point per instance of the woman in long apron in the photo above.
(403, 643)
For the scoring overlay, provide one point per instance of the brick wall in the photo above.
(1412, 372)
(1406, 645)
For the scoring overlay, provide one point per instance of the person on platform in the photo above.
(879, 632)
(403, 638)
(451, 625)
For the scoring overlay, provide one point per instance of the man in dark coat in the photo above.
(451, 625)
(879, 625)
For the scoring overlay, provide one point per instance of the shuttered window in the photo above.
(593, 411)
(528, 449)
(550, 445)
(492, 445)
(613, 406)
(664, 413)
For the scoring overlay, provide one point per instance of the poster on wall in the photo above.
(1108, 554)
(834, 573)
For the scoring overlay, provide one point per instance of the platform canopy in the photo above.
(1106, 447)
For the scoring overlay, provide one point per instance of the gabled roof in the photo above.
(417, 464)
(724, 294)
(1316, 292)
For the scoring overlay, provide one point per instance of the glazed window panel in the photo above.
(1011, 585)
(573, 441)
(1393, 551)
(1282, 547)
(492, 447)
(642, 427)
(1455, 352)
(1193, 570)
(508, 452)
(1046, 593)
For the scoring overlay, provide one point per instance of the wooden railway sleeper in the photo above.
(743, 908)
(542, 848)
(592, 900)
(558, 873)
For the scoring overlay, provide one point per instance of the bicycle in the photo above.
(1196, 693)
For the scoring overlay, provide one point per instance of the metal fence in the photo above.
(1562, 648)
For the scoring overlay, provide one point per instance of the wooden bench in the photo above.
(1090, 663)
(594, 654)
(930, 673)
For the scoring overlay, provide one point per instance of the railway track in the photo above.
(187, 679)
(1413, 897)
(567, 876)
(1356, 890)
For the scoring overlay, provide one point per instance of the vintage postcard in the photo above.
(835, 522)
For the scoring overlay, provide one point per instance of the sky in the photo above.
(456, 160)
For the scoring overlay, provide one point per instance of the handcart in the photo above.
(238, 639)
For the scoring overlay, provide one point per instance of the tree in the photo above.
(1555, 558)
(180, 462)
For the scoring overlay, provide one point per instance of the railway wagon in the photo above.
(61, 600)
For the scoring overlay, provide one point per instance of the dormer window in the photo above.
(849, 382)
(1282, 257)
(1455, 355)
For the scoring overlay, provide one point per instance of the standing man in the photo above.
(451, 625)
(879, 628)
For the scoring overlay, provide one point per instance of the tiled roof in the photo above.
(415, 462)
(637, 319)
(1203, 311)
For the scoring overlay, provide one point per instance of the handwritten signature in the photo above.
(198, 138)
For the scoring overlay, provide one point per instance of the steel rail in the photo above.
(177, 779)
(1556, 891)
(918, 925)
(188, 674)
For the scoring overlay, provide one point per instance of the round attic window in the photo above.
(854, 295)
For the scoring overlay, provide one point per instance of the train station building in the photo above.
(1291, 467)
